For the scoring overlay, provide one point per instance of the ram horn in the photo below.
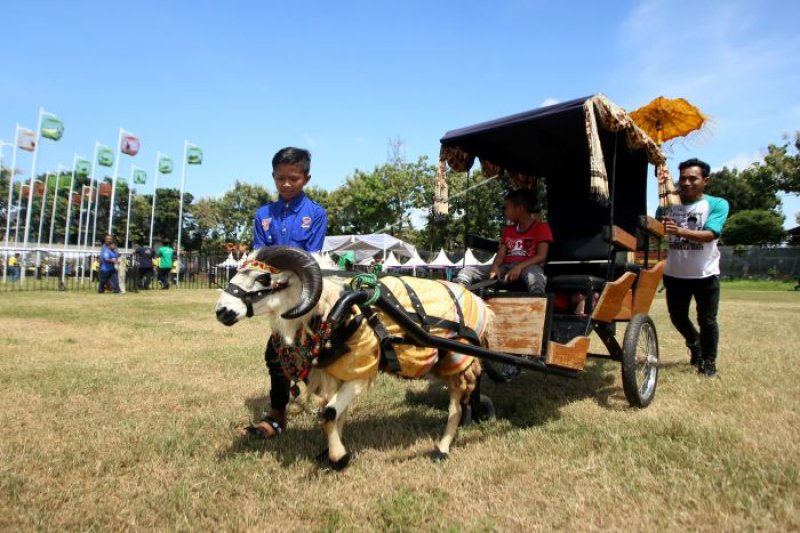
(302, 264)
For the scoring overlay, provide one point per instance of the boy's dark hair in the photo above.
(524, 198)
(705, 168)
(293, 156)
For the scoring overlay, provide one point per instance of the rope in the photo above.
(370, 281)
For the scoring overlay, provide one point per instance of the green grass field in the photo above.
(120, 412)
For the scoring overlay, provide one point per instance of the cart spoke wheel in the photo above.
(640, 361)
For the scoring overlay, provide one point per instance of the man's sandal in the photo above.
(267, 429)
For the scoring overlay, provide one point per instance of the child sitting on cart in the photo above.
(523, 247)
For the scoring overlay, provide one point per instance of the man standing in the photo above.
(144, 262)
(295, 220)
(692, 271)
(165, 255)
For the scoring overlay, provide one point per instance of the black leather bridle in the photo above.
(251, 297)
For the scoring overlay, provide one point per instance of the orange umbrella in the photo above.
(664, 119)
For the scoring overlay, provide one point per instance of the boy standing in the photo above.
(692, 269)
(523, 247)
(294, 220)
(108, 269)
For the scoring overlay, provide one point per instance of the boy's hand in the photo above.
(670, 227)
(514, 273)
(494, 273)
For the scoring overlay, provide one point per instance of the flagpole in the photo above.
(80, 225)
(114, 184)
(95, 191)
(42, 209)
(55, 203)
(23, 270)
(13, 167)
(3, 144)
(10, 183)
(153, 202)
(180, 214)
(69, 219)
(128, 222)
(22, 185)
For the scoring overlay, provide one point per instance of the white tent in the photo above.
(391, 261)
(469, 259)
(368, 245)
(230, 262)
(415, 261)
(441, 260)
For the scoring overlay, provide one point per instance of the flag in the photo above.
(194, 155)
(105, 157)
(26, 140)
(75, 198)
(82, 167)
(87, 192)
(139, 177)
(26, 191)
(130, 144)
(52, 128)
(104, 189)
(165, 164)
(38, 188)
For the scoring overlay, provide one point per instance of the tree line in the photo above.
(396, 198)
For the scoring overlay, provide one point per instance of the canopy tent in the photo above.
(368, 245)
(415, 261)
(391, 262)
(441, 260)
(469, 259)
(230, 262)
(490, 260)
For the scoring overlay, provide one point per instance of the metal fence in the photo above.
(72, 270)
(77, 270)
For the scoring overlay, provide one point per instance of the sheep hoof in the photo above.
(341, 464)
(328, 414)
(438, 455)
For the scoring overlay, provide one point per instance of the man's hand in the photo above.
(670, 227)
(494, 273)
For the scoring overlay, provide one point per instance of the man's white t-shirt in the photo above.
(694, 260)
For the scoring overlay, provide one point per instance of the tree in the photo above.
(754, 226)
(784, 161)
(380, 201)
(237, 207)
(753, 188)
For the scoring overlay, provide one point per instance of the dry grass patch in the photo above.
(121, 412)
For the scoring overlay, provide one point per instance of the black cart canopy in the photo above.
(589, 150)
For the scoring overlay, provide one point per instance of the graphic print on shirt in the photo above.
(688, 219)
(265, 224)
(305, 223)
(519, 247)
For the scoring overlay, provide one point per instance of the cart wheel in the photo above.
(640, 361)
(477, 411)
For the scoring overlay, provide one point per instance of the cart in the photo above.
(595, 163)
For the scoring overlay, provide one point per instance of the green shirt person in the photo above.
(165, 255)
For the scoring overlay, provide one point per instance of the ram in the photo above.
(327, 334)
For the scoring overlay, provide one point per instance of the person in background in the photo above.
(693, 229)
(295, 220)
(165, 255)
(108, 270)
(13, 267)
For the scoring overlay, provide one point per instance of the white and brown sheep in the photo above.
(285, 285)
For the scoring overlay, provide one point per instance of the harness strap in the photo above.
(389, 361)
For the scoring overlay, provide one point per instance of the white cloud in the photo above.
(549, 101)
(743, 160)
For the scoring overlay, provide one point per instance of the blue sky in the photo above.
(243, 79)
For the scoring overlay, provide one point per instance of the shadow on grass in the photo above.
(372, 432)
(534, 398)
